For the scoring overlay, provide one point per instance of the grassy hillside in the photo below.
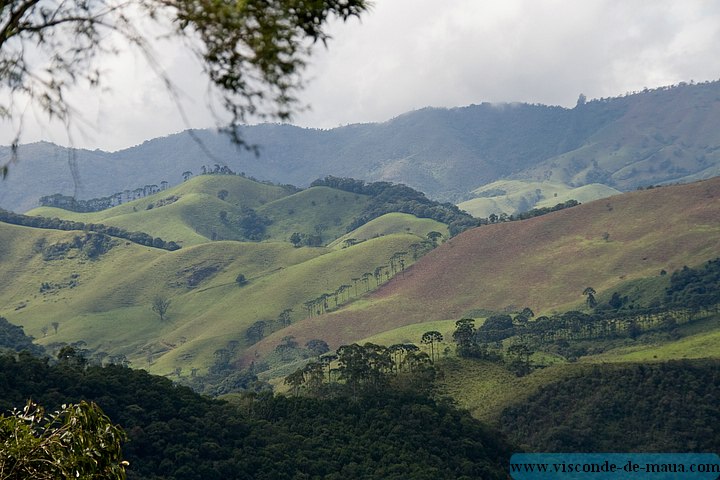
(516, 196)
(193, 212)
(107, 302)
(322, 210)
(543, 263)
(188, 214)
(622, 244)
(391, 223)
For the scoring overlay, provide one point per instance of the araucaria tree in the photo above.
(590, 292)
(431, 338)
(253, 51)
(464, 336)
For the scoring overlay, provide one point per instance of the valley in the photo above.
(238, 288)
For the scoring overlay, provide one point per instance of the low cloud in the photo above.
(408, 54)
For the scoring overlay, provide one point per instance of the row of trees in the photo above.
(693, 293)
(382, 273)
(218, 169)
(356, 369)
(73, 204)
(57, 224)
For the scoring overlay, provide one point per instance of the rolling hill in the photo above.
(543, 263)
(517, 196)
(656, 136)
(105, 300)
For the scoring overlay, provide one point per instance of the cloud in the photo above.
(411, 53)
(408, 54)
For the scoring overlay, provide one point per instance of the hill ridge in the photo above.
(553, 258)
(658, 136)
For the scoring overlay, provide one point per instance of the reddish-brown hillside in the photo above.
(544, 263)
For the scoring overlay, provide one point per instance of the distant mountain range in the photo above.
(657, 136)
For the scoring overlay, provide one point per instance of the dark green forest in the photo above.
(175, 433)
(663, 407)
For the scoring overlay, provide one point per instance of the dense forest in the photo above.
(175, 433)
(663, 407)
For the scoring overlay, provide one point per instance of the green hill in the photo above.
(392, 223)
(322, 211)
(517, 196)
(229, 207)
(189, 213)
(106, 302)
(193, 212)
(543, 263)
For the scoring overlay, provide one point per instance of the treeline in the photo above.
(365, 369)
(382, 273)
(512, 339)
(72, 204)
(388, 197)
(536, 212)
(666, 407)
(13, 338)
(175, 433)
(217, 169)
(695, 287)
(68, 225)
(67, 202)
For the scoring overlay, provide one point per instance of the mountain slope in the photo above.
(516, 196)
(543, 263)
(106, 301)
(193, 212)
(658, 136)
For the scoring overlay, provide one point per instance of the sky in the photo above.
(404, 55)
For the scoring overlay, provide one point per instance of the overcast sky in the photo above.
(408, 54)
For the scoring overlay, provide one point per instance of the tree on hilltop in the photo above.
(590, 292)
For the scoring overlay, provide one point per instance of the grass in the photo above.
(317, 209)
(700, 339)
(543, 263)
(110, 310)
(391, 223)
(194, 217)
(485, 389)
(508, 196)
(413, 333)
